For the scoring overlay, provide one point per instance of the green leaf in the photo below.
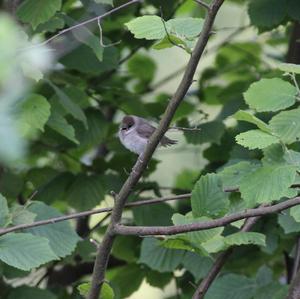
(125, 248)
(33, 113)
(231, 176)
(170, 41)
(25, 251)
(147, 72)
(293, 9)
(288, 223)
(106, 291)
(110, 2)
(59, 124)
(158, 280)
(69, 106)
(256, 139)
(208, 198)
(85, 192)
(186, 27)
(148, 27)
(270, 95)
(159, 258)
(5, 217)
(289, 68)
(62, 237)
(20, 215)
(248, 117)
(25, 292)
(209, 132)
(267, 183)
(37, 12)
(295, 213)
(245, 238)
(267, 13)
(232, 286)
(286, 125)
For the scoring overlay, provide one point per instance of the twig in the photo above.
(4, 231)
(184, 129)
(177, 229)
(108, 13)
(219, 263)
(296, 259)
(104, 250)
(205, 5)
(101, 36)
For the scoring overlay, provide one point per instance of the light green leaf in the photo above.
(208, 198)
(37, 12)
(186, 27)
(59, 124)
(5, 217)
(245, 238)
(33, 113)
(106, 291)
(270, 95)
(70, 107)
(159, 258)
(267, 183)
(231, 176)
(295, 213)
(148, 27)
(248, 117)
(289, 68)
(62, 237)
(85, 192)
(169, 42)
(288, 223)
(147, 72)
(25, 251)
(286, 125)
(256, 139)
(20, 215)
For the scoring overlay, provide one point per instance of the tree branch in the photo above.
(4, 231)
(219, 263)
(104, 250)
(98, 18)
(203, 4)
(177, 229)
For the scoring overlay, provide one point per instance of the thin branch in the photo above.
(203, 4)
(219, 263)
(177, 229)
(101, 36)
(104, 250)
(296, 259)
(108, 13)
(185, 129)
(4, 231)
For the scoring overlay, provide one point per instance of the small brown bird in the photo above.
(135, 132)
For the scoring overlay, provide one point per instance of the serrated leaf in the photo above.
(20, 215)
(208, 197)
(33, 113)
(270, 95)
(37, 12)
(248, 117)
(5, 217)
(286, 125)
(25, 251)
(253, 139)
(186, 27)
(85, 192)
(159, 258)
(245, 238)
(289, 68)
(231, 176)
(267, 183)
(69, 106)
(266, 13)
(59, 124)
(62, 237)
(148, 27)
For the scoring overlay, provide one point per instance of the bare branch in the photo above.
(296, 259)
(177, 229)
(4, 231)
(104, 250)
(98, 18)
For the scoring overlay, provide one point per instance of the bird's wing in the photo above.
(145, 130)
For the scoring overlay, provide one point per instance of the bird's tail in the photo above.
(167, 141)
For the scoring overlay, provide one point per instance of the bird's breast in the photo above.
(133, 142)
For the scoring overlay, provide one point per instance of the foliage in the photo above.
(61, 104)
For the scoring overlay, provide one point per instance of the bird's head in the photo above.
(127, 123)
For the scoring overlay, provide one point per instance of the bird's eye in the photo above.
(129, 126)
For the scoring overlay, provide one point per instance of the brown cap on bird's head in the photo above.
(127, 122)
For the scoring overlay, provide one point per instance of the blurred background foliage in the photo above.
(60, 106)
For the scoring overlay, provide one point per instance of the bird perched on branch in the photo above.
(135, 132)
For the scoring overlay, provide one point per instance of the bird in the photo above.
(135, 131)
